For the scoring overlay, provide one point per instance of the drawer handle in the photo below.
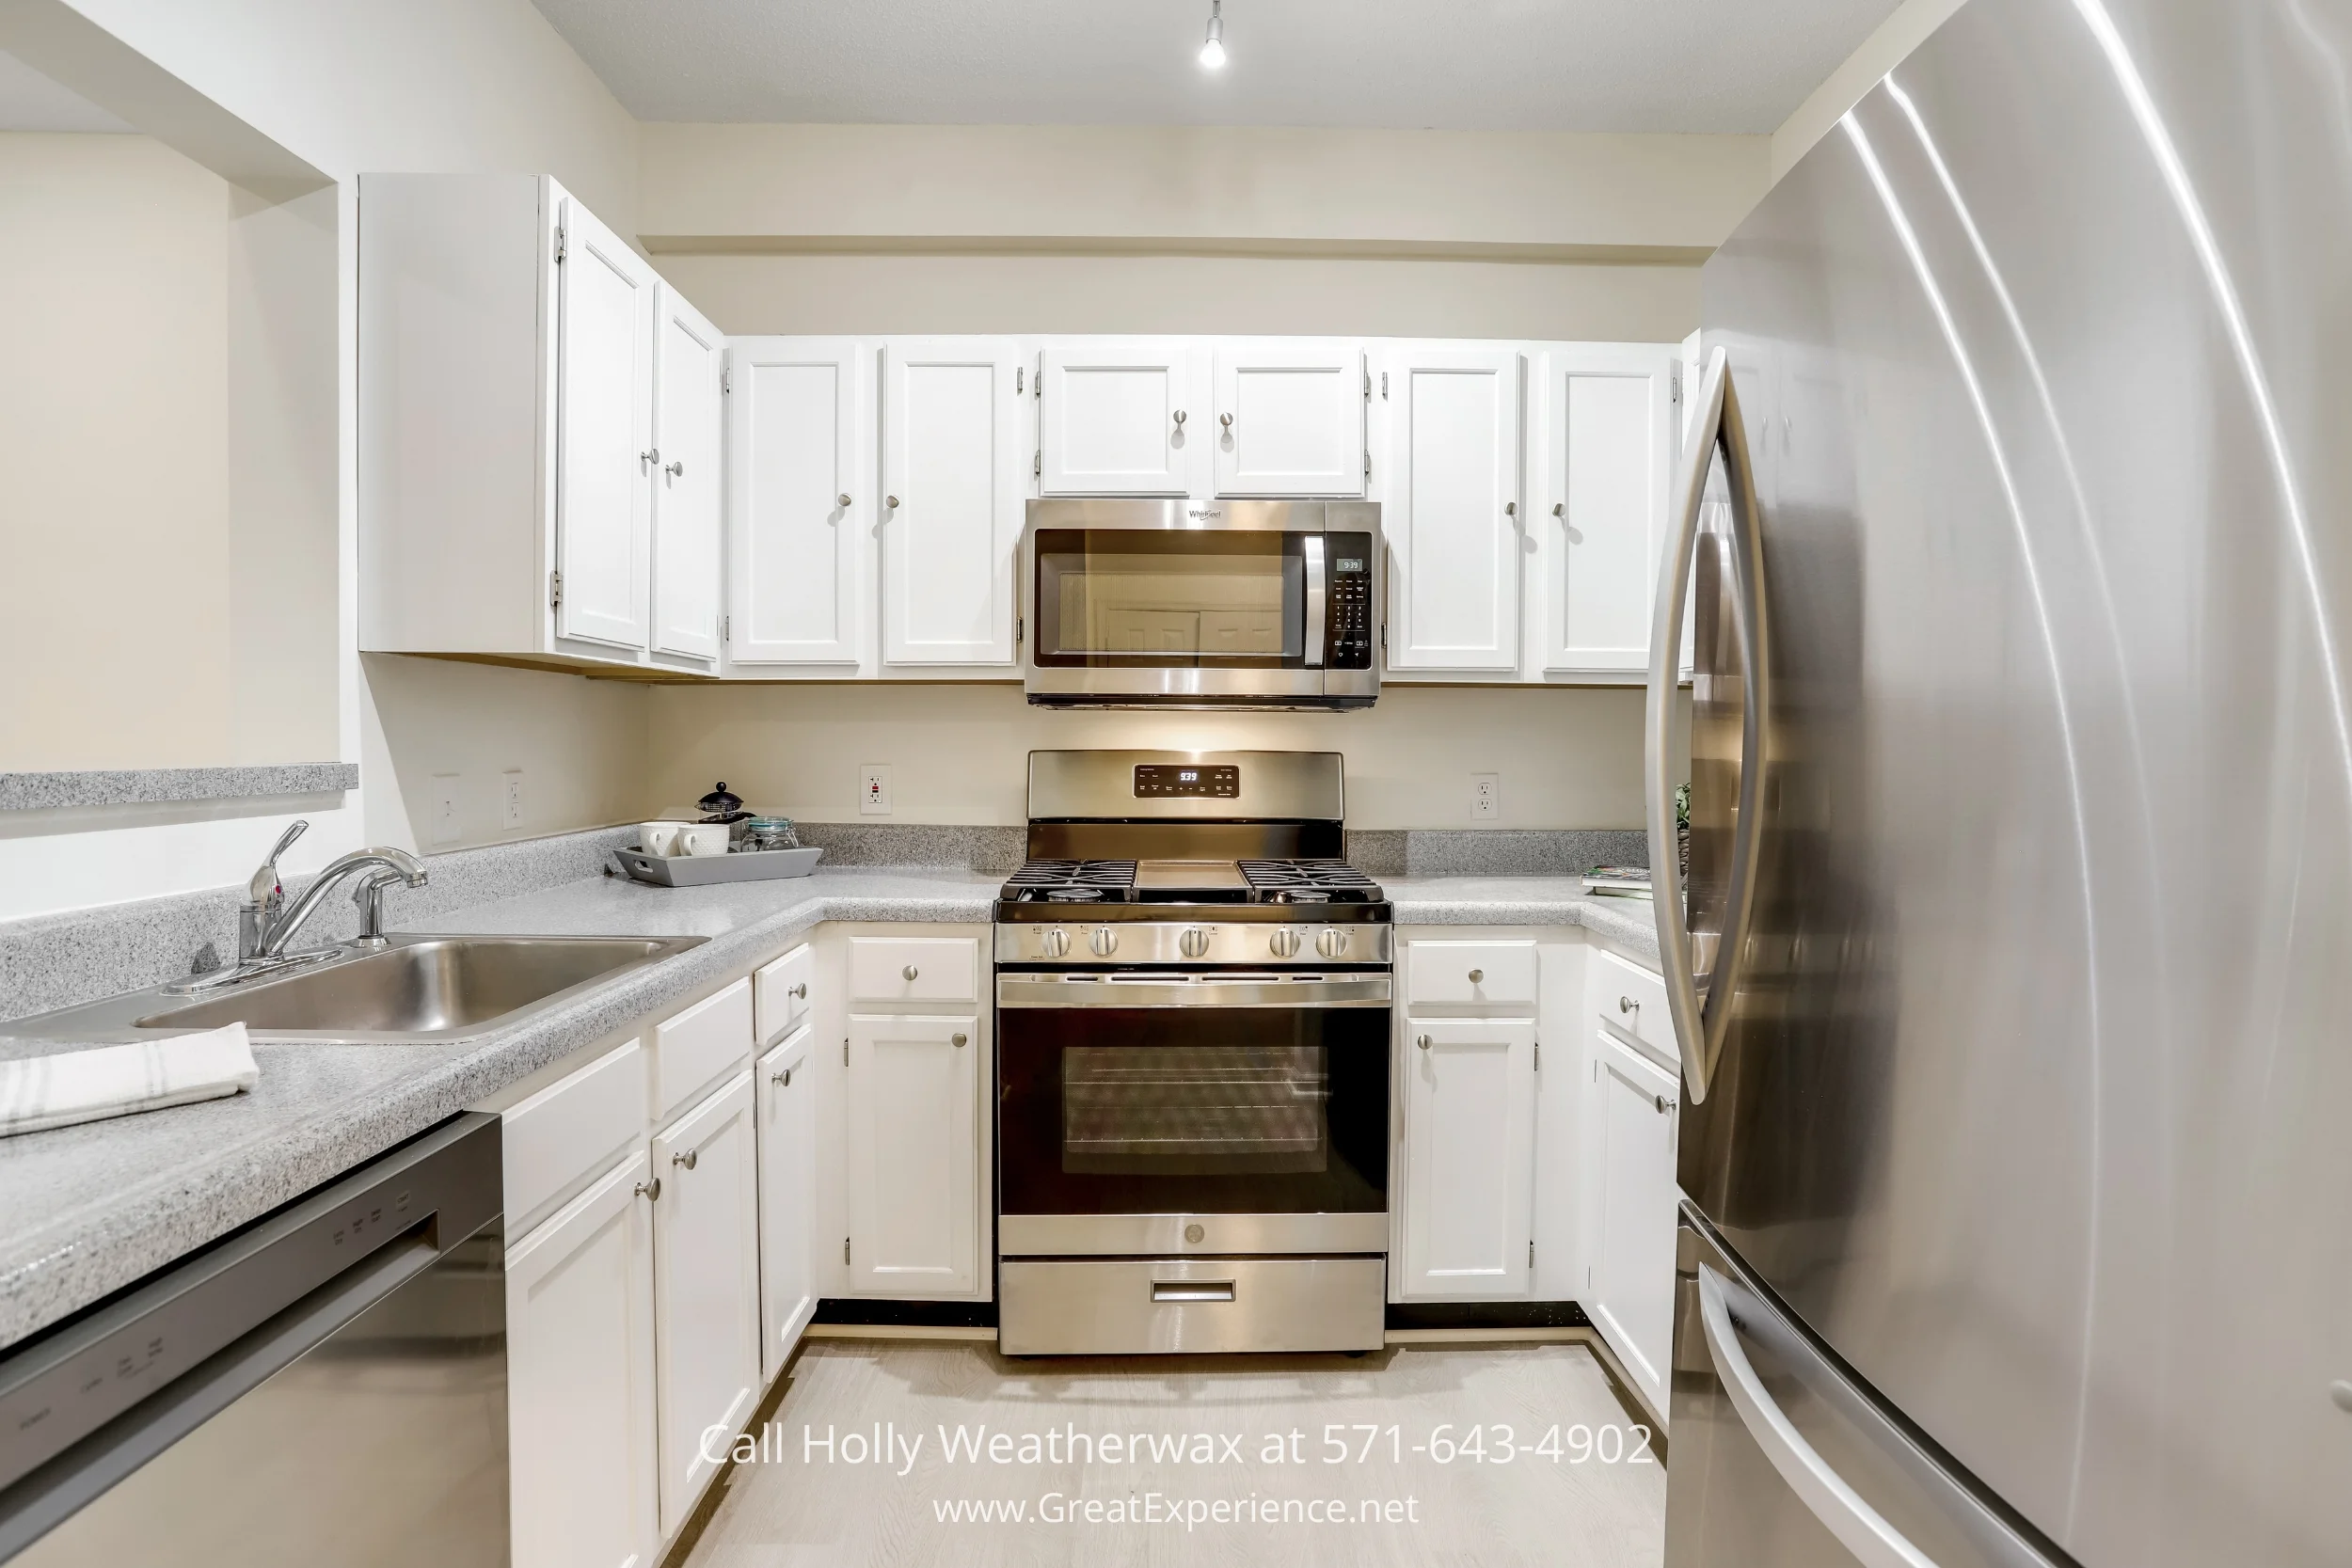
(1192, 1289)
(650, 1191)
(798, 992)
(1477, 976)
(1627, 1005)
(784, 1078)
(910, 971)
(685, 1157)
(1421, 1040)
(957, 1040)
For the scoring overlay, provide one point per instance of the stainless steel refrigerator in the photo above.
(2016, 1005)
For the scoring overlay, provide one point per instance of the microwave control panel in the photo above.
(1347, 603)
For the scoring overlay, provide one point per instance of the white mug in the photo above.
(702, 838)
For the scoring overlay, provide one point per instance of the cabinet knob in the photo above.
(1662, 1106)
(677, 470)
(1510, 509)
(910, 971)
(785, 1078)
(685, 1157)
(958, 1041)
(648, 457)
(1226, 420)
(842, 498)
(800, 992)
(891, 501)
(1477, 976)
(1421, 1040)
(1180, 415)
(1627, 1005)
(650, 1191)
(1559, 509)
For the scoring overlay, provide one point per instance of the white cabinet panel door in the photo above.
(705, 1286)
(579, 1392)
(1609, 457)
(787, 1194)
(1116, 417)
(604, 433)
(799, 501)
(1469, 1164)
(689, 418)
(953, 487)
(1633, 1262)
(1290, 418)
(1453, 509)
(914, 1165)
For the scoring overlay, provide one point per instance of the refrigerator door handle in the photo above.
(1701, 1022)
(1858, 1527)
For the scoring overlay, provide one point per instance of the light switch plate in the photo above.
(441, 826)
(511, 798)
(873, 790)
(1485, 796)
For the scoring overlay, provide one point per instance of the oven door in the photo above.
(1164, 1114)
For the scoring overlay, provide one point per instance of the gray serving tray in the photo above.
(697, 870)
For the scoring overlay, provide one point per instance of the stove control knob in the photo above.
(1194, 942)
(1284, 942)
(1331, 941)
(1056, 941)
(1105, 942)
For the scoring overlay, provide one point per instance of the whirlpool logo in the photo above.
(1204, 512)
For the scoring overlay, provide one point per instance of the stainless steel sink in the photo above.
(419, 988)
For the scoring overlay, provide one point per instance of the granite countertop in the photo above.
(90, 1209)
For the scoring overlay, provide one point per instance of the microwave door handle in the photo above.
(1315, 590)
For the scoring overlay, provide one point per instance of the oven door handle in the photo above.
(1192, 990)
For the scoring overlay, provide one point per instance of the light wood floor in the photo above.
(793, 1513)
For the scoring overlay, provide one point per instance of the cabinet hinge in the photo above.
(1037, 463)
(1531, 1252)
(1367, 464)
(559, 245)
(1366, 386)
(726, 382)
(555, 589)
(726, 629)
(844, 1249)
(845, 1050)
(1019, 626)
(1539, 1056)
(1019, 379)
(1384, 386)
(1674, 385)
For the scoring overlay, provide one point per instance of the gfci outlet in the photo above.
(873, 790)
(1485, 796)
(442, 829)
(511, 797)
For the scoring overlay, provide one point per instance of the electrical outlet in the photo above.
(442, 828)
(1485, 796)
(873, 790)
(511, 797)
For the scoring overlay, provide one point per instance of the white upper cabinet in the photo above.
(1470, 1162)
(1117, 417)
(604, 433)
(690, 420)
(953, 486)
(1290, 418)
(1608, 457)
(801, 501)
(1452, 505)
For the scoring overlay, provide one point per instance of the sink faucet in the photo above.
(377, 869)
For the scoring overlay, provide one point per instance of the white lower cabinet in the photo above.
(580, 1330)
(706, 1288)
(787, 1181)
(1470, 1166)
(1631, 1298)
(914, 1165)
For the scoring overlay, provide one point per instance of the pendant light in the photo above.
(1212, 52)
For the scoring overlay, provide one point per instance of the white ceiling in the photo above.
(32, 101)
(1555, 65)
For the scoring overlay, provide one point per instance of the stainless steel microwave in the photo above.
(1202, 604)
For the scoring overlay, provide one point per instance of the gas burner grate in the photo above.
(1072, 883)
(1307, 881)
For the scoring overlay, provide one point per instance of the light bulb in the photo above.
(1212, 52)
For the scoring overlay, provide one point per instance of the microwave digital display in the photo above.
(1348, 563)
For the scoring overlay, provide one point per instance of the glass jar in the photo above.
(770, 832)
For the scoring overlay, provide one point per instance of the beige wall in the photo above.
(1569, 758)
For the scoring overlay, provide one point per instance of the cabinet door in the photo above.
(913, 1155)
(1290, 418)
(706, 1287)
(1608, 456)
(1453, 509)
(799, 501)
(952, 497)
(1633, 1263)
(1116, 417)
(689, 353)
(788, 1193)
(1470, 1095)
(580, 1391)
(603, 433)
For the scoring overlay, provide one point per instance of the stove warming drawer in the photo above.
(1191, 1305)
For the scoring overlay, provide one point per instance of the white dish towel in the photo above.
(39, 1092)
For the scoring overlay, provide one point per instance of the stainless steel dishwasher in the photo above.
(328, 1386)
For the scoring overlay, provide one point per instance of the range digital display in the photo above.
(1164, 780)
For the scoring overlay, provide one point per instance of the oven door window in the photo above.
(1209, 600)
(1119, 1111)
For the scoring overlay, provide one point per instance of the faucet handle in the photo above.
(263, 886)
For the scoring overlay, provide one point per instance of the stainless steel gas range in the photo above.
(1192, 1095)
